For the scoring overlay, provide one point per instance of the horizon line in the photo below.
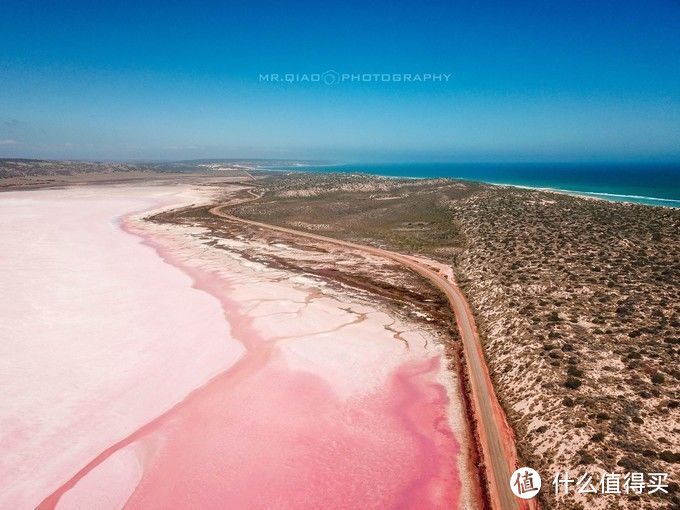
(368, 162)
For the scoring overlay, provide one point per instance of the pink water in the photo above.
(262, 435)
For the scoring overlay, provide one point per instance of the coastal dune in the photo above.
(148, 370)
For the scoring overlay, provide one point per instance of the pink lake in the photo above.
(141, 369)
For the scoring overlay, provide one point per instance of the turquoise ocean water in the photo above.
(645, 184)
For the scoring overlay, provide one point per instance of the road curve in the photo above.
(495, 436)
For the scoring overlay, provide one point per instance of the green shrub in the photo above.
(586, 458)
(572, 383)
(574, 372)
(658, 378)
(669, 456)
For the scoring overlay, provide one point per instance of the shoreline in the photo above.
(393, 413)
(594, 195)
(97, 364)
(620, 198)
(495, 437)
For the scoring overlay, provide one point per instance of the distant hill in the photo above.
(40, 167)
(43, 167)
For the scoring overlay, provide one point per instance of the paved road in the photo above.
(496, 437)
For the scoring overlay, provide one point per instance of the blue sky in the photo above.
(530, 81)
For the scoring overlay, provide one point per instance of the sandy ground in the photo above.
(141, 368)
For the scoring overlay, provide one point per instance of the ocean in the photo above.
(650, 184)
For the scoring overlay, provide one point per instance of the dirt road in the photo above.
(494, 434)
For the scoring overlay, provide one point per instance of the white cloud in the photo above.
(8, 142)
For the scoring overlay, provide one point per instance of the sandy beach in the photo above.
(151, 370)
